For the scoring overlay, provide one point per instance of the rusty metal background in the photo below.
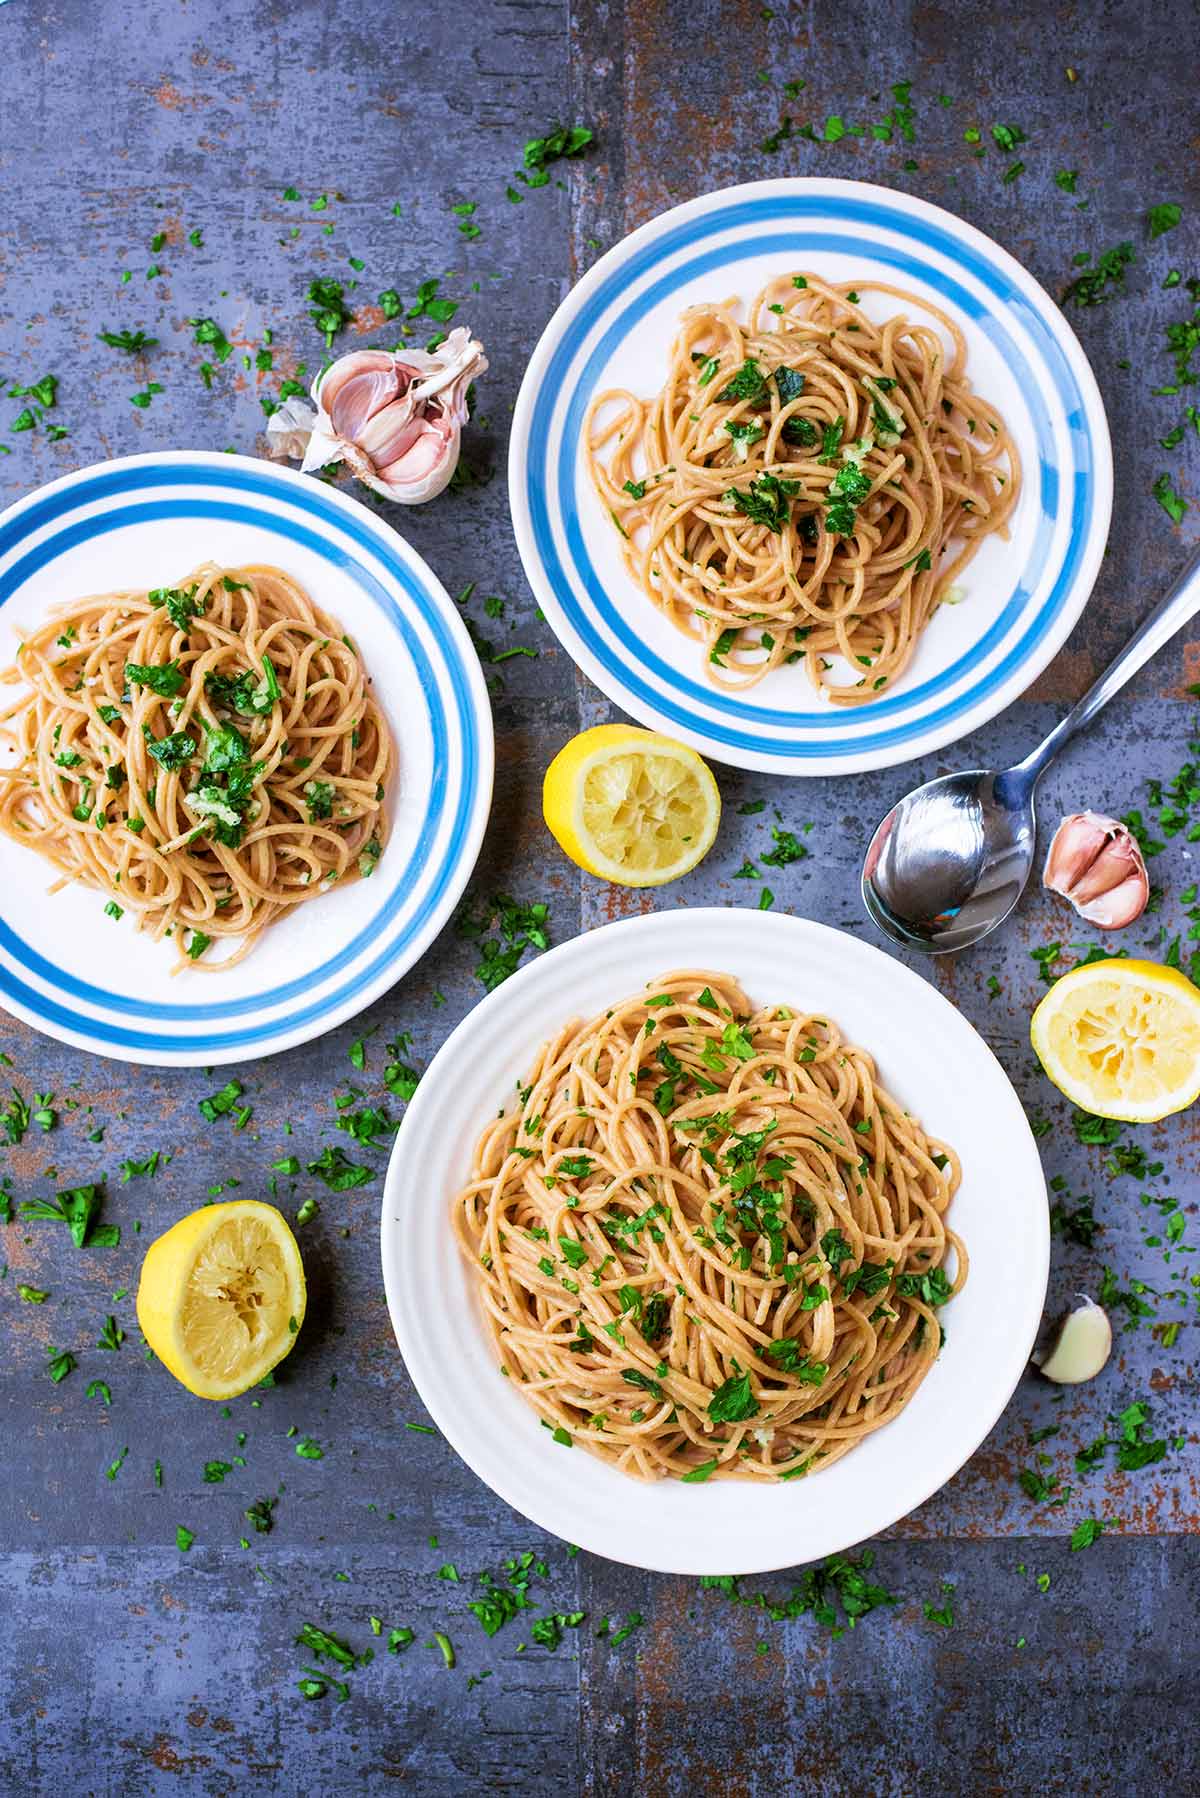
(133, 1669)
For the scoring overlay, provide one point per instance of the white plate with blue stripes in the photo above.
(1022, 597)
(144, 521)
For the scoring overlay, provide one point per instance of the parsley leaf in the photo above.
(733, 1401)
(766, 501)
(1164, 218)
(1103, 279)
(338, 1173)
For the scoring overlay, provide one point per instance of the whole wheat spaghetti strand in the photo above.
(707, 1242)
(207, 755)
(895, 472)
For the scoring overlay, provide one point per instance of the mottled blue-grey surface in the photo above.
(131, 1668)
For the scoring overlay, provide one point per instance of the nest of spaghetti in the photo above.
(806, 485)
(707, 1242)
(207, 755)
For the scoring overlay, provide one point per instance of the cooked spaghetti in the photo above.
(805, 485)
(206, 755)
(707, 1242)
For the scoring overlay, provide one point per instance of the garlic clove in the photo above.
(420, 459)
(394, 417)
(390, 434)
(1076, 844)
(355, 388)
(1095, 862)
(1081, 1347)
(1119, 906)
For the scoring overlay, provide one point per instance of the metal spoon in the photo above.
(950, 861)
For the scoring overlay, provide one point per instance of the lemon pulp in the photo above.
(1122, 1039)
(222, 1296)
(631, 805)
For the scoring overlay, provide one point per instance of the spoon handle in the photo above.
(1180, 603)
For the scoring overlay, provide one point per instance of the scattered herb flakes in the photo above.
(1103, 278)
(430, 304)
(559, 142)
(837, 1593)
(1086, 1532)
(518, 927)
(399, 1076)
(1163, 218)
(99, 1389)
(368, 1125)
(61, 1363)
(321, 1644)
(1172, 502)
(338, 1172)
(259, 1514)
(114, 1467)
(1007, 137)
(133, 343)
(76, 1207)
(1094, 1131)
(210, 336)
(1042, 1488)
(184, 1537)
(111, 1334)
(15, 1119)
(220, 1104)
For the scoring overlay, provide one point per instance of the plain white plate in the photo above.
(927, 1055)
(88, 980)
(1022, 596)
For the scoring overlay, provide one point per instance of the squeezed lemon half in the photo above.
(1122, 1039)
(630, 805)
(221, 1296)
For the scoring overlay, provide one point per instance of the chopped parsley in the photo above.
(1163, 218)
(767, 501)
(1104, 278)
(132, 342)
(519, 927)
(338, 1173)
(165, 679)
(209, 334)
(1172, 502)
(733, 1401)
(78, 1209)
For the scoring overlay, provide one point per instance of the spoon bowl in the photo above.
(950, 861)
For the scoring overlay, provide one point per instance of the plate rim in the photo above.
(819, 764)
(276, 1040)
(426, 1099)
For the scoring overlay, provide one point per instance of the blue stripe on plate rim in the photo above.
(115, 480)
(923, 227)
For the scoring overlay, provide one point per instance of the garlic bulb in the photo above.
(1095, 862)
(394, 417)
(1081, 1347)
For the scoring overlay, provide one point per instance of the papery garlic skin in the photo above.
(394, 417)
(291, 425)
(1096, 863)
